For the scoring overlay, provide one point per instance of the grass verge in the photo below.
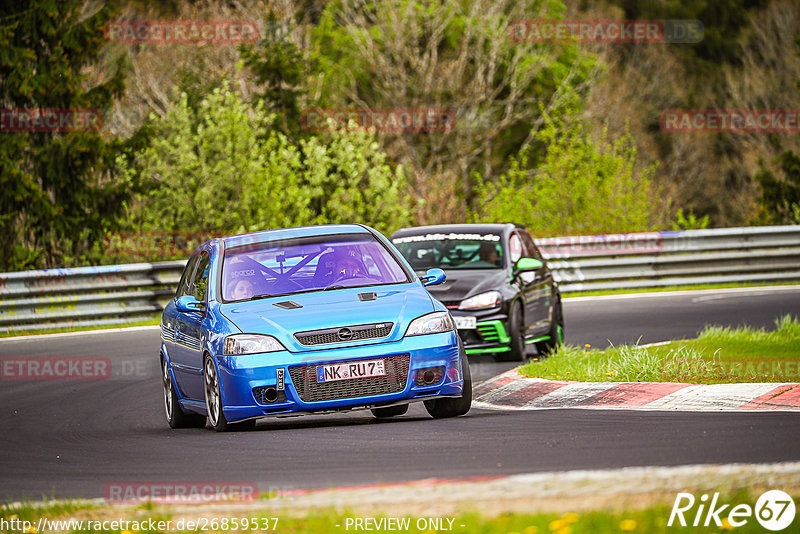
(718, 355)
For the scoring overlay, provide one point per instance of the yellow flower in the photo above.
(531, 530)
(726, 525)
(30, 530)
(125, 532)
(558, 524)
(628, 525)
(587, 346)
(570, 517)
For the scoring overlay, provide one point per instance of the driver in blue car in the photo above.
(347, 267)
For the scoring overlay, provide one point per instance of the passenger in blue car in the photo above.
(242, 289)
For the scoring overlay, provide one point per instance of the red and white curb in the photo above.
(511, 391)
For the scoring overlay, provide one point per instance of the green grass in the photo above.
(649, 519)
(718, 355)
(32, 511)
(600, 293)
(153, 320)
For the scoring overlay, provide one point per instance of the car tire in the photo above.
(176, 417)
(390, 411)
(556, 331)
(516, 332)
(441, 408)
(213, 395)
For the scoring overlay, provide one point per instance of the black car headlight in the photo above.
(482, 300)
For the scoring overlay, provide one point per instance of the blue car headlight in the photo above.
(251, 344)
(432, 323)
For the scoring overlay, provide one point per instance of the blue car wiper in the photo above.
(261, 296)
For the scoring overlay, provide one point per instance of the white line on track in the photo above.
(82, 333)
(688, 293)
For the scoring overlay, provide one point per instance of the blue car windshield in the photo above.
(306, 264)
(451, 251)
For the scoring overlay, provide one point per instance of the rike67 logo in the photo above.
(774, 510)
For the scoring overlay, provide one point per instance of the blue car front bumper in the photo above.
(242, 376)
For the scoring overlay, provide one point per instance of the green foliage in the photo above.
(580, 186)
(453, 54)
(349, 179)
(722, 20)
(279, 68)
(688, 222)
(780, 195)
(57, 197)
(222, 169)
(718, 355)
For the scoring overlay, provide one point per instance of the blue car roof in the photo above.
(290, 233)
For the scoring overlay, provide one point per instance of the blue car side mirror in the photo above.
(433, 277)
(189, 304)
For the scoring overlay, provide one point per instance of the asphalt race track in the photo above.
(71, 438)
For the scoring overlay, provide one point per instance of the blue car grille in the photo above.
(344, 334)
(305, 382)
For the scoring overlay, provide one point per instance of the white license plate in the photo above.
(464, 322)
(347, 371)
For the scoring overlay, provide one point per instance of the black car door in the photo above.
(524, 282)
(540, 282)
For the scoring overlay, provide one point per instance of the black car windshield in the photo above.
(306, 264)
(451, 251)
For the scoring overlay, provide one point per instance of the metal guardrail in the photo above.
(661, 259)
(107, 295)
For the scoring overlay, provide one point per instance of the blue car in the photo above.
(305, 320)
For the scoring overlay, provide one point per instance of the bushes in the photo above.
(222, 168)
(580, 186)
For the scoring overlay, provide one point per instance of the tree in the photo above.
(222, 168)
(581, 186)
(456, 55)
(57, 191)
(780, 195)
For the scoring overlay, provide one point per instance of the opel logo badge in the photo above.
(345, 334)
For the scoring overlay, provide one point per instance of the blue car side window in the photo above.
(200, 283)
(186, 277)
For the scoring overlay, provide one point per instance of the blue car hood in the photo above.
(398, 304)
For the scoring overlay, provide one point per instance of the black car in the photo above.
(498, 288)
